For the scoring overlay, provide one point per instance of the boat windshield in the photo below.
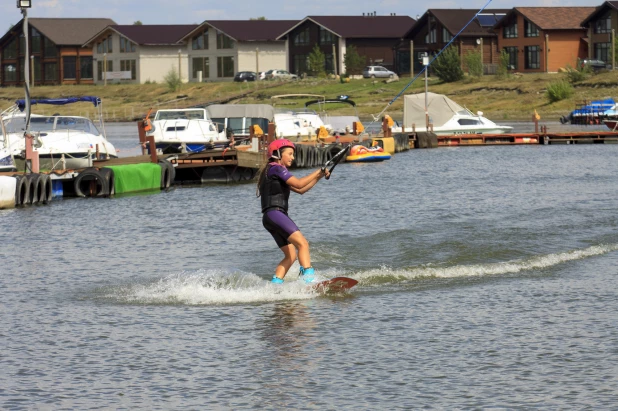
(189, 114)
(61, 124)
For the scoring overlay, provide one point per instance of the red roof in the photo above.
(154, 34)
(362, 26)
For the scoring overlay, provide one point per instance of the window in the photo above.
(9, 72)
(37, 69)
(509, 30)
(200, 42)
(302, 38)
(329, 65)
(10, 51)
(602, 51)
(22, 44)
(301, 63)
(85, 67)
(530, 29)
(49, 48)
(326, 37)
(225, 66)
(126, 45)
(446, 36)
(201, 64)
(532, 57)
(101, 69)
(51, 73)
(604, 24)
(69, 67)
(105, 46)
(36, 41)
(430, 38)
(224, 42)
(128, 65)
(512, 52)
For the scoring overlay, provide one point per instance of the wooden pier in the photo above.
(596, 137)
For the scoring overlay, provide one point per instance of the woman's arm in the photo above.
(302, 185)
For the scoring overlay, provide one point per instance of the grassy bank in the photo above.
(513, 98)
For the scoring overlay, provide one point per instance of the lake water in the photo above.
(487, 279)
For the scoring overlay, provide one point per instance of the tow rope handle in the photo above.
(335, 160)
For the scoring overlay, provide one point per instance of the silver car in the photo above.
(280, 75)
(377, 71)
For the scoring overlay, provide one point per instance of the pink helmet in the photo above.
(275, 146)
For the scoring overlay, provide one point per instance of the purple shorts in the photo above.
(279, 225)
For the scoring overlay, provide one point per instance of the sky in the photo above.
(197, 11)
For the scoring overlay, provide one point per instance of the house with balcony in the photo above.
(543, 39)
(602, 24)
(437, 27)
(139, 53)
(217, 49)
(54, 48)
(375, 37)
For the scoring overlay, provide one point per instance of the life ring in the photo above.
(107, 174)
(35, 193)
(168, 173)
(22, 190)
(90, 183)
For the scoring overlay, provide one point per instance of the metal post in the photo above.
(257, 61)
(335, 60)
(32, 71)
(426, 64)
(179, 75)
(613, 49)
(104, 69)
(411, 59)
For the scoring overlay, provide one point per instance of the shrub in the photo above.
(503, 67)
(559, 90)
(172, 79)
(448, 66)
(474, 61)
(580, 73)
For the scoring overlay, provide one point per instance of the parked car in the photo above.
(377, 71)
(280, 75)
(245, 76)
(262, 75)
(595, 64)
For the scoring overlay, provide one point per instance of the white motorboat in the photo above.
(342, 125)
(186, 131)
(63, 142)
(7, 164)
(445, 116)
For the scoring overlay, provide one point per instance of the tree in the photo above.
(137, 23)
(448, 66)
(353, 61)
(258, 18)
(316, 62)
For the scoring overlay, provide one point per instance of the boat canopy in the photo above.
(241, 110)
(440, 108)
(59, 101)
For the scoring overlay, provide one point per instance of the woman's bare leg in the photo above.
(289, 252)
(301, 243)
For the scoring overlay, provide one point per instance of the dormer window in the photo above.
(531, 30)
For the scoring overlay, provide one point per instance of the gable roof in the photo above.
(252, 30)
(555, 18)
(150, 34)
(361, 26)
(456, 19)
(65, 31)
(600, 10)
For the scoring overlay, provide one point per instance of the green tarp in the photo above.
(136, 177)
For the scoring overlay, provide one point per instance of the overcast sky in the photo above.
(196, 11)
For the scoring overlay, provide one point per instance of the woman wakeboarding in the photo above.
(274, 185)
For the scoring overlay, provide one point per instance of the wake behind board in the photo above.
(334, 285)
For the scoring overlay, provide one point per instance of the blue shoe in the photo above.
(308, 274)
(276, 280)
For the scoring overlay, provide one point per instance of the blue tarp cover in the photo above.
(595, 107)
(59, 101)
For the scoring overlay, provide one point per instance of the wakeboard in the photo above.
(334, 285)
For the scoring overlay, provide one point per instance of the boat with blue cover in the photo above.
(593, 112)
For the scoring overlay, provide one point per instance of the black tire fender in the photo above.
(90, 177)
(107, 174)
(22, 190)
(35, 191)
